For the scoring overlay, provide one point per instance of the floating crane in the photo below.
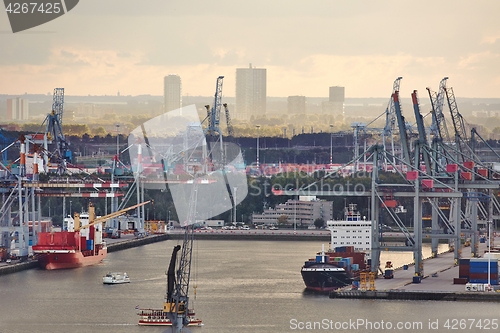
(176, 303)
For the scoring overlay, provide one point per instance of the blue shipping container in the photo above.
(483, 270)
(492, 282)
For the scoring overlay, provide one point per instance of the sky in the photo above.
(102, 47)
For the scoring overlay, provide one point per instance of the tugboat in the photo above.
(115, 278)
(340, 266)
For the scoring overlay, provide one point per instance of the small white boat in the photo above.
(115, 278)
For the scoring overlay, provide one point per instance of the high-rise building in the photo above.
(172, 92)
(251, 92)
(17, 109)
(335, 104)
(296, 104)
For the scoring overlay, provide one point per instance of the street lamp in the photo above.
(489, 254)
(117, 141)
(234, 200)
(70, 212)
(258, 135)
(331, 143)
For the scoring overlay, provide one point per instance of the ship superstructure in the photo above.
(350, 247)
(354, 230)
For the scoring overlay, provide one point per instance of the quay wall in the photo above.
(418, 295)
(129, 243)
(12, 268)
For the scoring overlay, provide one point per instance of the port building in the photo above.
(301, 213)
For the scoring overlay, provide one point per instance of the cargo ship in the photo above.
(80, 245)
(340, 266)
(68, 249)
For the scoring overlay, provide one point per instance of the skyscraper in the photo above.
(17, 109)
(172, 92)
(335, 104)
(250, 92)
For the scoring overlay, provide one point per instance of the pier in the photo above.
(436, 283)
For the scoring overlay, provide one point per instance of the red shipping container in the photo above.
(451, 168)
(483, 172)
(466, 175)
(411, 175)
(469, 165)
(427, 183)
(460, 280)
(391, 203)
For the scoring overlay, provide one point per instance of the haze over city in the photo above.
(106, 47)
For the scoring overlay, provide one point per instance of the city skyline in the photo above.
(100, 48)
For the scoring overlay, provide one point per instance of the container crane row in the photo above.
(444, 177)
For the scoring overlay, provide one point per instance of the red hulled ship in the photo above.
(68, 249)
(81, 245)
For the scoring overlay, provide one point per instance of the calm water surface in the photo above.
(242, 286)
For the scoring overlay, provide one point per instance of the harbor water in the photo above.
(241, 286)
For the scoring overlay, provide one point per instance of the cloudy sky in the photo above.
(105, 46)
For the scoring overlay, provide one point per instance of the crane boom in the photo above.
(230, 130)
(403, 135)
(438, 127)
(214, 113)
(422, 137)
(93, 220)
(390, 115)
(458, 123)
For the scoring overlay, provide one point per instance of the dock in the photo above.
(435, 284)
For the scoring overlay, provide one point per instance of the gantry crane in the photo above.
(61, 153)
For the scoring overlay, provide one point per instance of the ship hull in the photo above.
(166, 322)
(62, 260)
(325, 277)
(153, 317)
